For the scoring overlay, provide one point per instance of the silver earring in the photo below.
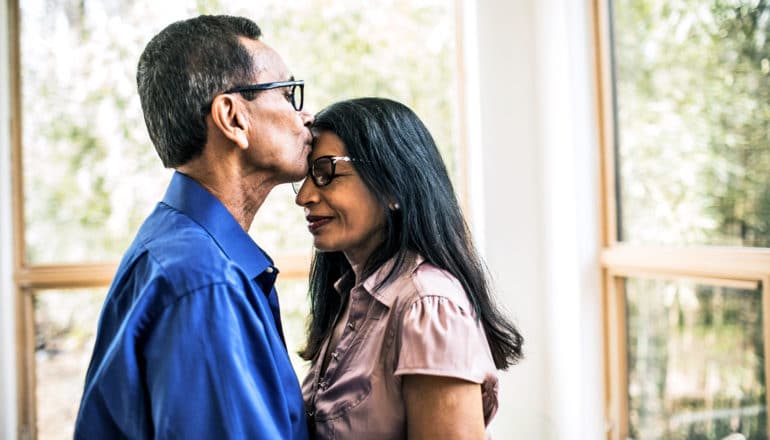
(395, 206)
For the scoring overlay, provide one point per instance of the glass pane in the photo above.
(90, 172)
(292, 293)
(693, 99)
(695, 361)
(65, 323)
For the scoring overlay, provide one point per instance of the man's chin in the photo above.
(299, 175)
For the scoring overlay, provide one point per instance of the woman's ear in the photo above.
(227, 115)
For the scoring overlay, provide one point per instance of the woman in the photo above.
(404, 337)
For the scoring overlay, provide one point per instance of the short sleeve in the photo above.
(441, 338)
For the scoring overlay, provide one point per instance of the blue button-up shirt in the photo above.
(189, 343)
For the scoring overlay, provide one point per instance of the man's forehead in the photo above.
(268, 64)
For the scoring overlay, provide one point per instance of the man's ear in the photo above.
(227, 115)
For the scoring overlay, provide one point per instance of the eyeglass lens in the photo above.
(297, 96)
(321, 171)
(297, 185)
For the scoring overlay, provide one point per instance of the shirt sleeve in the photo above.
(441, 338)
(210, 370)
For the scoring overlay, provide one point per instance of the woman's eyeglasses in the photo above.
(322, 171)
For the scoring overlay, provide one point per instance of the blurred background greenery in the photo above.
(692, 115)
(692, 99)
(91, 175)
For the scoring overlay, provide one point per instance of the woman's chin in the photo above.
(323, 247)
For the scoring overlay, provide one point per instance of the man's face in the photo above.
(279, 136)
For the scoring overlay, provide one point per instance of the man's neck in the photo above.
(242, 195)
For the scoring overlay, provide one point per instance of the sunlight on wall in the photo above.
(7, 321)
(7, 327)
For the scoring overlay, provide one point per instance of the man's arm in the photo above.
(210, 370)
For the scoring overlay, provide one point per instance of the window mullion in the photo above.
(25, 352)
(740, 264)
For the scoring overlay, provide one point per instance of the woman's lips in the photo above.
(314, 222)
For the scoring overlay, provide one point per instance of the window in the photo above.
(86, 174)
(684, 102)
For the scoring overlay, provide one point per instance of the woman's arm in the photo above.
(442, 407)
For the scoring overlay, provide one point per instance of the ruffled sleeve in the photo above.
(438, 337)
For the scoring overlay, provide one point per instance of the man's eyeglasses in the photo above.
(296, 94)
(322, 171)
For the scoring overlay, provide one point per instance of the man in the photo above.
(189, 343)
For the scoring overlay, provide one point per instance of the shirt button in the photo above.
(269, 269)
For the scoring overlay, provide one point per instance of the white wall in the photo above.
(534, 190)
(512, 227)
(570, 169)
(7, 324)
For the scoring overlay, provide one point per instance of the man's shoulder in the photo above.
(172, 246)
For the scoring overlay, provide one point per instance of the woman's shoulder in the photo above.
(421, 282)
(430, 281)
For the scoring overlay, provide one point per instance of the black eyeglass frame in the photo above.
(310, 172)
(274, 85)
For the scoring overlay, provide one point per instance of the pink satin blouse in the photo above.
(419, 324)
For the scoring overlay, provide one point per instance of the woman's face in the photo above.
(344, 215)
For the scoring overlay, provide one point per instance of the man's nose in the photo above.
(307, 118)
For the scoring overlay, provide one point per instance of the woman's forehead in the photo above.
(326, 143)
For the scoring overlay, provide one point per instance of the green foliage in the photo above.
(742, 202)
(695, 361)
(693, 105)
(90, 172)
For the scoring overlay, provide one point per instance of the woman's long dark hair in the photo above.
(399, 162)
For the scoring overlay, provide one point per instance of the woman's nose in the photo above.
(306, 193)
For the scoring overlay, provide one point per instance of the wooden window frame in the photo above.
(31, 279)
(744, 268)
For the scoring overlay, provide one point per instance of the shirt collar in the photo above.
(189, 197)
(387, 294)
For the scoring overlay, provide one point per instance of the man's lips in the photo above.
(316, 221)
